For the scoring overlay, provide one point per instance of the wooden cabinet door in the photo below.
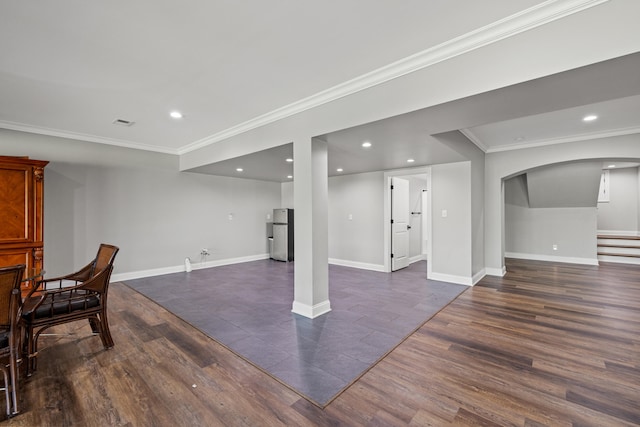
(15, 188)
(21, 211)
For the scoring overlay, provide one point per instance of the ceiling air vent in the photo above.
(123, 122)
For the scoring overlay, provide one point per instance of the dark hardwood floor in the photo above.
(548, 344)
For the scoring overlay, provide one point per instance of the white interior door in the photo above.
(399, 223)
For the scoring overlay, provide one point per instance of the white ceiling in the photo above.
(70, 68)
(618, 116)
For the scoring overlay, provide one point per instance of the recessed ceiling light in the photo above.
(239, 169)
(611, 166)
(589, 118)
(339, 170)
(176, 114)
(410, 160)
(290, 176)
(289, 159)
(366, 144)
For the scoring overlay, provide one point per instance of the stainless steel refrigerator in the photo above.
(282, 235)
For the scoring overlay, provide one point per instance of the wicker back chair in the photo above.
(75, 296)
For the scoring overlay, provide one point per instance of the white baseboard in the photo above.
(360, 265)
(119, 277)
(311, 311)
(229, 261)
(450, 278)
(552, 258)
(421, 257)
(633, 233)
(500, 272)
(478, 276)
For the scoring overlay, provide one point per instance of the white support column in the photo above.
(311, 225)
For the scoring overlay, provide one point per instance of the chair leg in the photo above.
(105, 334)
(32, 350)
(95, 327)
(14, 384)
(26, 351)
(6, 391)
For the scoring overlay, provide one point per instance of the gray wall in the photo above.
(417, 183)
(531, 232)
(359, 240)
(506, 164)
(451, 235)
(566, 185)
(139, 201)
(621, 214)
(286, 195)
(461, 144)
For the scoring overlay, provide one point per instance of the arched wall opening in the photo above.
(501, 166)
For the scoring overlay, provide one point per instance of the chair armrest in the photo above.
(69, 280)
(42, 286)
(79, 276)
(95, 284)
(98, 283)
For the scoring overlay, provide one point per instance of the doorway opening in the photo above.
(407, 218)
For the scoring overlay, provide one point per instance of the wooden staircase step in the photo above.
(608, 245)
(600, 236)
(622, 255)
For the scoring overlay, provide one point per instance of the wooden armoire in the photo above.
(21, 211)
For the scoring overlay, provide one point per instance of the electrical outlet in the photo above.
(555, 247)
(204, 252)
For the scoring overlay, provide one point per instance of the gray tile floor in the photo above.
(247, 307)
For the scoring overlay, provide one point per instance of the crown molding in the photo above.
(474, 138)
(538, 15)
(573, 138)
(84, 137)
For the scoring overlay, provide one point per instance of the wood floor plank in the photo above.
(546, 345)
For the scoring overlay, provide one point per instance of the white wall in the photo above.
(621, 215)
(357, 241)
(140, 202)
(530, 233)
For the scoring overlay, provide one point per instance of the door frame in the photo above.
(424, 170)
